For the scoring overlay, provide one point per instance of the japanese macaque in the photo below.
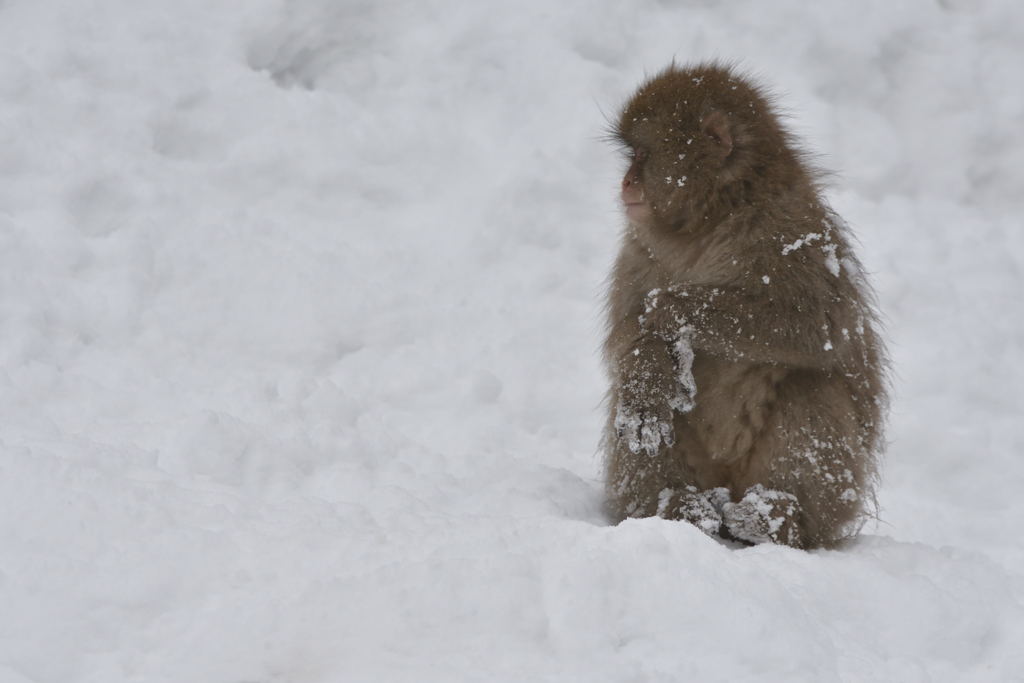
(748, 380)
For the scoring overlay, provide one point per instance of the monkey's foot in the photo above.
(693, 506)
(718, 497)
(764, 516)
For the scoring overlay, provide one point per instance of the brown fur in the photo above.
(745, 261)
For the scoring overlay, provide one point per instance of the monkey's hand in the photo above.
(764, 516)
(644, 429)
(648, 390)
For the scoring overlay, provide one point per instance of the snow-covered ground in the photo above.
(299, 315)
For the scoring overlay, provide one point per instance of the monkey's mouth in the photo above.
(636, 210)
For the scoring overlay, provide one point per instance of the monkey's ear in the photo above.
(716, 124)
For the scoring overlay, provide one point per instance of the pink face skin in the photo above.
(638, 209)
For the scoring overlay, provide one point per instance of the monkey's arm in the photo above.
(647, 385)
(755, 323)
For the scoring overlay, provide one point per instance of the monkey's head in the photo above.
(700, 141)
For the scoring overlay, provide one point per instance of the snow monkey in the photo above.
(748, 387)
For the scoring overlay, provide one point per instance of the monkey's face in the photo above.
(673, 167)
(666, 181)
(683, 149)
(634, 198)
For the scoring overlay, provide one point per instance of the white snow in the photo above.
(686, 385)
(300, 309)
(806, 239)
